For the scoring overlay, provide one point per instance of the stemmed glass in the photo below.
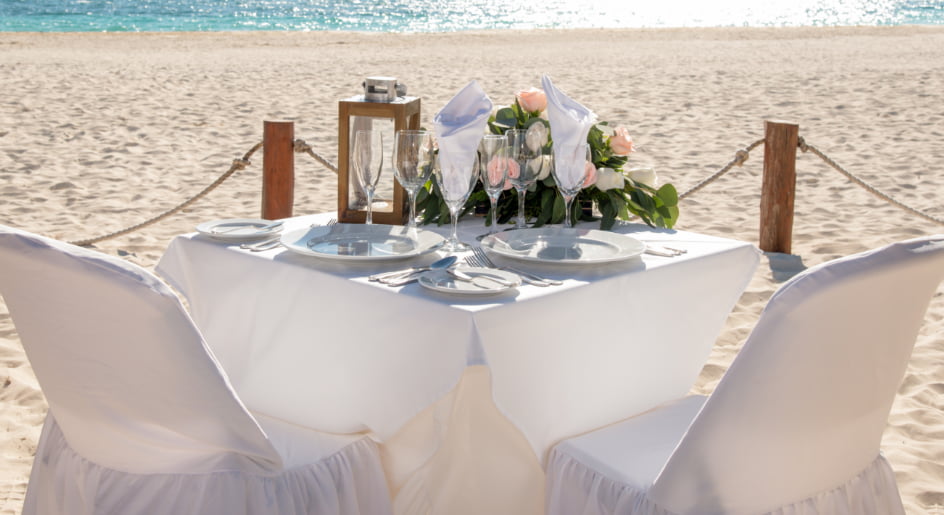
(493, 169)
(456, 178)
(570, 172)
(526, 163)
(368, 163)
(412, 164)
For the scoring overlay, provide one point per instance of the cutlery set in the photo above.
(478, 260)
(275, 241)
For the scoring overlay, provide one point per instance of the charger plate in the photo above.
(564, 245)
(360, 242)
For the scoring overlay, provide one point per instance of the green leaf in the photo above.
(668, 195)
(506, 118)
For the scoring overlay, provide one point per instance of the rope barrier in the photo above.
(302, 147)
(238, 164)
(740, 157)
(805, 147)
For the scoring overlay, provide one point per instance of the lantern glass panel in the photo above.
(383, 194)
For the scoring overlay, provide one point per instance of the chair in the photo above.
(794, 426)
(142, 420)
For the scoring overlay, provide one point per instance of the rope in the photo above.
(740, 157)
(805, 147)
(302, 147)
(238, 164)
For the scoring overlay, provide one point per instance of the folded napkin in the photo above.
(570, 124)
(459, 127)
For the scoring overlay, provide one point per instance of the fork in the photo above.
(483, 260)
(275, 242)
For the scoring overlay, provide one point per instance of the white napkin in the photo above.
(570, 124)
(459, 127)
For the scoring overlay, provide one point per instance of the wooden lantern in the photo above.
(390, 199)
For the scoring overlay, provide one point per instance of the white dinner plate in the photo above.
(361, 242)
(563, 245)
(443, 281)
(238, 229)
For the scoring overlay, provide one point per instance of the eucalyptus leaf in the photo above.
(668, 195)
(506, 117)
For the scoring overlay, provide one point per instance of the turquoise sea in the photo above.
(451, 15)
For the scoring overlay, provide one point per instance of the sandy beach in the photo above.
(101, 131)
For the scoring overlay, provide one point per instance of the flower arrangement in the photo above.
(615, 192)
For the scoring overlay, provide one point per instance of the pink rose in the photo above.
(620, 142)
(497, 169)
(591, 175)
(532, 100)
(513, 173)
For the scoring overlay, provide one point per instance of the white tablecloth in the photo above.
(453, 385)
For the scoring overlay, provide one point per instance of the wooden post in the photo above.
(278, 169)
(779, 186)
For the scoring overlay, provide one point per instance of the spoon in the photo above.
(402, 277)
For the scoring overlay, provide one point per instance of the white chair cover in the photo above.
(794, 426)
(142, 420)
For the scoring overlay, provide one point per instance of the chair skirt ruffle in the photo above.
(574, 489)
(348, 482)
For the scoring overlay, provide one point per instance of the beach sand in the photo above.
(102, 131)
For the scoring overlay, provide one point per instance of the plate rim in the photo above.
(204, 228)
(640, 247)
(307, 251)
(426, 277)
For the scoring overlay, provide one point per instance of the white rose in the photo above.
(545, 164)
(608, 179)
(645, 176)
(536, 136)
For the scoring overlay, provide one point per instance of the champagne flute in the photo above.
(493, 169)
(524, 168)
(456, 177)
(368, 163)
(570, 172)
(412, 164)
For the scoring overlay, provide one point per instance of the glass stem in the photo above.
(370, 205)
(412, 221)
(521, 220)
(494, 213)
(568, 202)
(454, 215)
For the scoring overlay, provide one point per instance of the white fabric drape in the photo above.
(800, 411)
(549, 362)
(582, 490)
(142, 419)
(348, 481)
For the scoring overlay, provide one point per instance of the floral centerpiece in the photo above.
(615, 192)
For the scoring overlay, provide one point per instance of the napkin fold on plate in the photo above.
(459, 127)
(570, 124)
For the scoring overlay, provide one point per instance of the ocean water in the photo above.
(451, 15)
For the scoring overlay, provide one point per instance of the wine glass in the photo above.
(412, 164)
(456, 177)
(493, 169)
(526, 164)
(368, 163)
(570, 172)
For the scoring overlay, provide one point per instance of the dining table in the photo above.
(464, 393)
